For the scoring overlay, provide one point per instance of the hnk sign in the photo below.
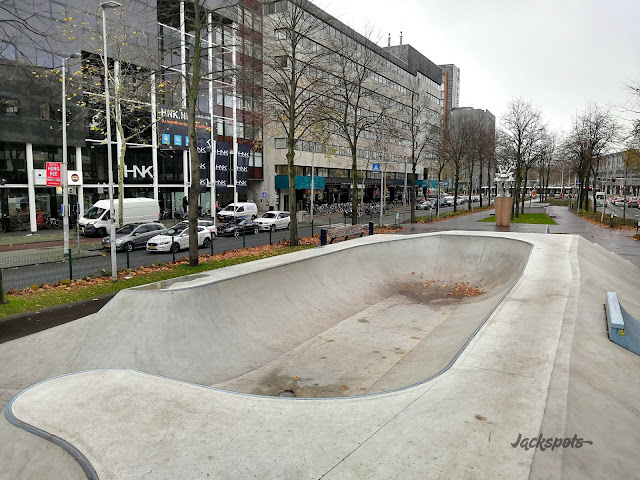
(135, 171)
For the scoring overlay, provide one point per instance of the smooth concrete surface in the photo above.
(540, 364)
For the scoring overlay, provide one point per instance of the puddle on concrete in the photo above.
(163, 284)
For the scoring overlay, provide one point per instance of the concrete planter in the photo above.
(504, 206)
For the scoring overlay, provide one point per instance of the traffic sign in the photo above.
(264, 194)
(375, 167)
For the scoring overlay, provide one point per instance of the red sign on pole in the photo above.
(54, 177)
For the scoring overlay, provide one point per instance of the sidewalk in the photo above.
(614, 240)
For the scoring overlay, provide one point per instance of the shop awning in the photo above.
(302, 182)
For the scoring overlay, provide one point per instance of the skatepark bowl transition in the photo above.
(425, 356)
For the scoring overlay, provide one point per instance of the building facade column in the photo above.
(80, 187)
(31, 189)
(154, 137)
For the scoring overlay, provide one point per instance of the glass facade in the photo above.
(13, 162)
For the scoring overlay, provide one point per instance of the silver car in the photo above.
(134, 235)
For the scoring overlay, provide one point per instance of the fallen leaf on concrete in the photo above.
(295, 378)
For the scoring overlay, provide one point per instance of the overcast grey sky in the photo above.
(560, 54)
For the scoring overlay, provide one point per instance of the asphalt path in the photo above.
(26, 276)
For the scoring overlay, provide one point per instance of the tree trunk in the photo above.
(354, 187)
(412, 194)
(455, 193)
(293, 206)
(192, 97)
(123, 149)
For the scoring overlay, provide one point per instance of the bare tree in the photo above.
(293, 80)
(457, 141)
(547, 161)
(353, 106)
(422, 133)
(593, 133)
(522, 133)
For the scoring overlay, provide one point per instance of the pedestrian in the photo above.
(185, 204)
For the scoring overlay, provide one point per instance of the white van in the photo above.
(239, 210)
(95, 221)
(601, 199)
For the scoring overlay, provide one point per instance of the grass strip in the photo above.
(534, 218)
(618, 222)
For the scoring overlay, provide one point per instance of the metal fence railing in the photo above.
(37, 266)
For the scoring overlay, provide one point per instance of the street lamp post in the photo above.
(112, 220)
(65, 180)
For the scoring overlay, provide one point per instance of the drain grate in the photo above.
(287, 393)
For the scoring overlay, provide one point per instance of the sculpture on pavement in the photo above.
(504, 180)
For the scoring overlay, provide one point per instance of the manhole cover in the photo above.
(287, 393)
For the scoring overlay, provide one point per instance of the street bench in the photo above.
(345, 231)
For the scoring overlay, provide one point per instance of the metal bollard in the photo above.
(212, 244)
(127, 250)
(312, 228)
(2, 299)
(244, 237)
(70, 266)
(323, 236)
(270, 236)
(370, 228)
(173, 254)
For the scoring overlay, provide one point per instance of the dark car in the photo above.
(134, 235)
(235, 227)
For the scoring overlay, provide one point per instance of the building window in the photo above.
(52, 114)
(282, 61)
(9, 106)
(44, 59)
(13, 162)
(280, 143)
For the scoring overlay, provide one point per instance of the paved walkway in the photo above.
(615, 240)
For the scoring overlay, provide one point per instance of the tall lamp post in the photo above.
(112, 220)
(65, 180)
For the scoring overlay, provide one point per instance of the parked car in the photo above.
(208, 224)
(235, 227)
(274, 220)
(238, 210)
(177, 238)
(424, 205)
(447, 201)
(134, 235)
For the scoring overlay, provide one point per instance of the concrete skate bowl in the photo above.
(354, 318)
